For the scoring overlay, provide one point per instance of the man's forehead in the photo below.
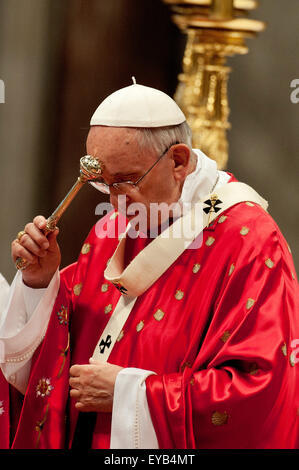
(106, 134)
(117, 149)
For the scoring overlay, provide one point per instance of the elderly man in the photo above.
(184, 340)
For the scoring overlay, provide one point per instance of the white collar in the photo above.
(203, 179)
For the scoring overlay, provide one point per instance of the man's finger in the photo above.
(74, 393)
(76, 370)
(37, 236)
(28, 243)
(74, 382)
(18, 251)
(40, 221)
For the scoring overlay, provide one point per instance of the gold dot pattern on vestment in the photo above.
(293, 275)
(179, 294)
(210, 241)
(284, 349)
(85, 249)
(253, 369)
(77, 289)
(140, 326)
(104, 287)
(108, 308)
(121, 335)
(249, 303)
(292, 359)
(159, 314)
(186, 364)
(219, 419)
(196, 268)
(248, 203)
(269, 263)
(225, 336)
(232, 267)
(222, 219)
(244, 231)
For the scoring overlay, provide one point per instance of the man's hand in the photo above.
(92, 385)
(42, 253)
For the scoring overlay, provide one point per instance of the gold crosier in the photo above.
(90, 169)
(215, 30)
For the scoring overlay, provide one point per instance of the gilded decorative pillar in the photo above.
(215, 29)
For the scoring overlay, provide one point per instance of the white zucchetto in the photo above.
(138, 106)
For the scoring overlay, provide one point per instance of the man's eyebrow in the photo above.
(127, 175)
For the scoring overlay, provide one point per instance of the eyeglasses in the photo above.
(126, 187)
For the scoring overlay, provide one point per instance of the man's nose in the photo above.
(120, 202)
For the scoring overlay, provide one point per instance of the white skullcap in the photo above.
(138, 106)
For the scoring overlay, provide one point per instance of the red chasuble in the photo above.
(219, 329)
(4, 413)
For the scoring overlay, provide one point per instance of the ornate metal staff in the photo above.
(90, 169)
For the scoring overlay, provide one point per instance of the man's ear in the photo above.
(181, 157)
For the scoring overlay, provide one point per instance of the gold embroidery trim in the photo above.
(159, 314)
(121, 335)
(108, 308)
(222, 219)
(186, 364)
(244, 231)
(85, 249)
(219, 419)
(249, 303)
(179, 294)
(77, 289)
(64, 353)
(269, 263)
(140, 326)
(225, 336)
(196, 268)
(40, 425)
(210, 241)
(292, 359)
(253, 369)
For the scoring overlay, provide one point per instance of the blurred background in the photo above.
(60, 58)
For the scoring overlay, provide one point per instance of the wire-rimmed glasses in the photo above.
(125, 187)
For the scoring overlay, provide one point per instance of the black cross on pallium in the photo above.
(105, 344)
(212, 203)
(122, 289)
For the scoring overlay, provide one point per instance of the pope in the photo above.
(182, 339)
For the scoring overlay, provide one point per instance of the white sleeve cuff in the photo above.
(21, 332)
(4, 292)
(132, 426)
(32, 297)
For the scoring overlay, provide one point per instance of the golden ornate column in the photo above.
(215, 29)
